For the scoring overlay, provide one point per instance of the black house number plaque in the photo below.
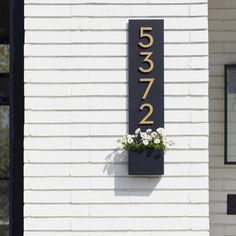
(146, 88)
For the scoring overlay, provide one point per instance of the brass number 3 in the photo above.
(147, 60)
(144, 121)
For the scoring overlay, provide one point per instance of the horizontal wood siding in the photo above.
(76, 183)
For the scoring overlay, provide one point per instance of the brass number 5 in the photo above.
(149, 36)
(144, 121)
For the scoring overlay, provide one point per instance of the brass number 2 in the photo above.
(144, 121)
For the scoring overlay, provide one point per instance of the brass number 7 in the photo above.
(150, 83)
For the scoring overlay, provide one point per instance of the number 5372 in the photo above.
(145, 33)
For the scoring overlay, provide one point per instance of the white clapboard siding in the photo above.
(78, 130)
(110, 117)
(76, 90)
(194, 196)
(101, 143)
(106, 157)
(105, 37)
(107, 103)
(112, 169)
(119, 233)
(86, 23)
(108, 63)
(222, 41)
(118, 210)
(119, 10)
(88, 76)
(73, 90)
(108, 50)
(113, 2)
(118, 223)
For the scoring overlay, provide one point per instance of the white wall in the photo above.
(222, 42)
(75, 110)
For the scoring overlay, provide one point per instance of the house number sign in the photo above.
(146, 74)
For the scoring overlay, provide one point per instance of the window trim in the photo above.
(16, 216)
(4, 40)
(226, 162)
(4, 100)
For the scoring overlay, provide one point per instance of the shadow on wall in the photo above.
(125, 185)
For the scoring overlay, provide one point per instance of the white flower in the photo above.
(160, 131)
(143, 135)
(129, 136)
(157, 140)
(130, 140)
(154, 134)
(138, 130)
(145, 142)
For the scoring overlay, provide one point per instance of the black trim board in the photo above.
(4, 40)
(231, 204)
(16, 116)
(4, 89)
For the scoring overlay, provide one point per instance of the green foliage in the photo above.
(4, 230)
(4, 58)
(4, 142)
(4, 164)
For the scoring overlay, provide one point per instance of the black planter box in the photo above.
(146, 162)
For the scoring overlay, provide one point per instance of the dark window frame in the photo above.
(16, 77)
(4, 100)
(226, 162)
(4, 40)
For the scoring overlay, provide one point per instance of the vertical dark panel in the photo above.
(146, 50)
(16, 116)
(155, 96)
